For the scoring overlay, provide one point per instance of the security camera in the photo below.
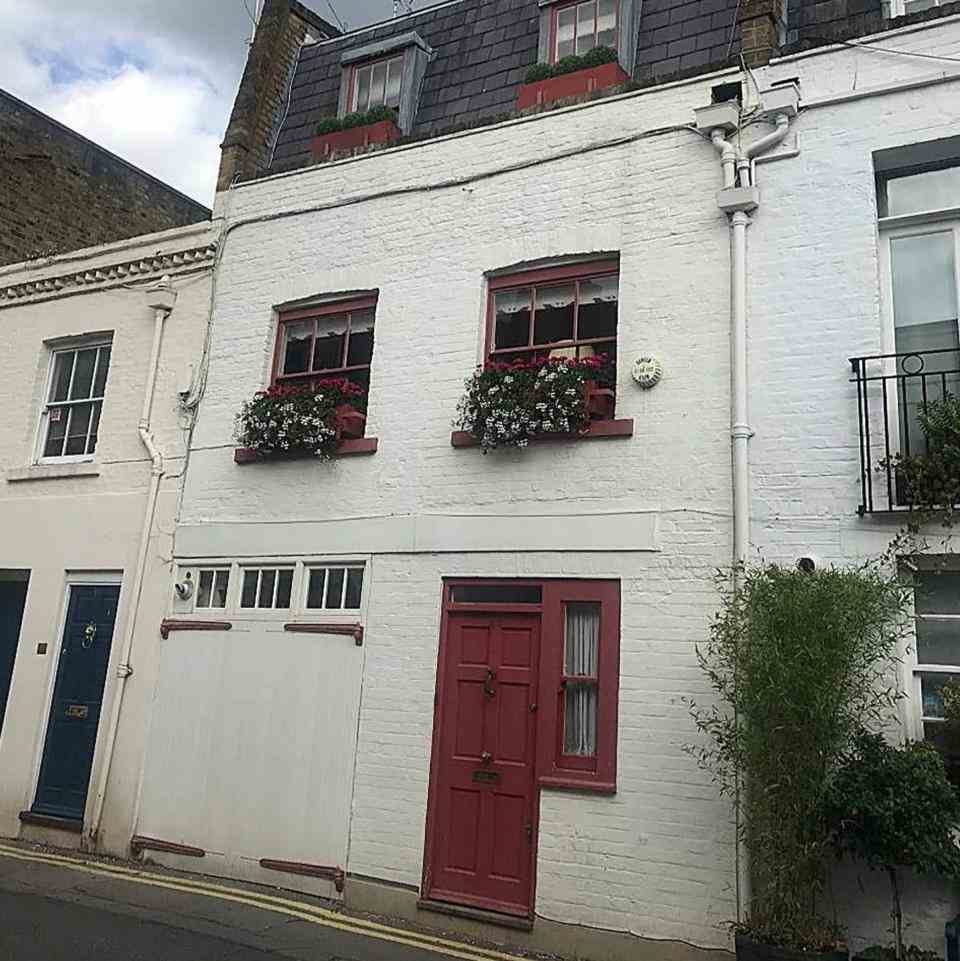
(808, 564)
(184, 588)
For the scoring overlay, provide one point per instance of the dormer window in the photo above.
(385, 73)
(376, 84)
(578, 28)
(572, 28)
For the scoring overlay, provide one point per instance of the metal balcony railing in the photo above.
(891, 392)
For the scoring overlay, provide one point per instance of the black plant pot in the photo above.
(750, 950)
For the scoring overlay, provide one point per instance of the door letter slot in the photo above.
(483, 776)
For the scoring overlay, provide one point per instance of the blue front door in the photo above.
(77, 699)
(13, 597)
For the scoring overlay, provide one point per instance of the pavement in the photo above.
(60, 907)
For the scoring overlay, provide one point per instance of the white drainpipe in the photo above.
(160, 300)
(738, 201)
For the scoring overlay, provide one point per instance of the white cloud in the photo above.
(151, 80)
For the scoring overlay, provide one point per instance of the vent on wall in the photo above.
(725, 92)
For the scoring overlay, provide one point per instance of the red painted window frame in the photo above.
(363, 64)
(539, 278)
(555, 769)
(568, 273)
(554, 24)
(310, 313)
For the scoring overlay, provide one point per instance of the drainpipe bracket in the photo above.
(741, 432)
(733, 200)
(124, 671)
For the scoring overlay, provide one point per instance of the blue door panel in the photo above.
(77, 701)
(13, 597)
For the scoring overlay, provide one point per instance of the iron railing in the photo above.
(891, 391)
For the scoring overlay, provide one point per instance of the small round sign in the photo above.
(647, 371)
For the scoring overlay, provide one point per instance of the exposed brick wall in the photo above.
(264, 88)
(60, 192)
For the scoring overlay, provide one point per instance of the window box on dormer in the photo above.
(573, 76)
(375, 126)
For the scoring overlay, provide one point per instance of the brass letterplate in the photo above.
(78, 710)
(486, 777)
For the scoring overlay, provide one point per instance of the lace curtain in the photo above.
(582, 644)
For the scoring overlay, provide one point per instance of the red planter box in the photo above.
(571, 85)
(383, 132)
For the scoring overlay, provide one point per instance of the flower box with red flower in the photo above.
(318, 419)
(513, 404)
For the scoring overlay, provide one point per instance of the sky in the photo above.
(151, 80)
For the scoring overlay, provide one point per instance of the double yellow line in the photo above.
(290, 908)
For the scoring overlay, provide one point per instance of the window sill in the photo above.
(348, 448)
(40, 472)
(169, 625)
(598, 430)
(573, 783)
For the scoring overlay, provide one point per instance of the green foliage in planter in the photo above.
(910, 953)
(335, 124)
(291, 420)
(595, 58)
(931, 480)
(798, 662)
(894, 807)
(506, 405)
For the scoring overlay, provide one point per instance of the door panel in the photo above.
(13, 597)
(77, 701)
(481, 835)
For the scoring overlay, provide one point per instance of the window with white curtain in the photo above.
(580, 27)
(580, 678)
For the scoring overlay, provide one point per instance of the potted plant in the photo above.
(308, 421)
(508, 405)
(333, 134)
(929, 482)
(571, 77)
(894, 808)
(798, 663)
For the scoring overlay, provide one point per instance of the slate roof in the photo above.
(484, 48)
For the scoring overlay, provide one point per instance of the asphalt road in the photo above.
(34, 928)
(55, 910)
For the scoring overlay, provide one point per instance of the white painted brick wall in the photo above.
(656, 859)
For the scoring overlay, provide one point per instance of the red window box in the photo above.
(346, 448)
(570, 85)
(385, 131)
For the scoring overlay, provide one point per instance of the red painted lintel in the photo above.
(348, 630)
(337, 875)
(139, 843)
(167, 626)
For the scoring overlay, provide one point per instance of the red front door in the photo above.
(482, 825)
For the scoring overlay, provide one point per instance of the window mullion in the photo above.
(73, 371)
(533, 315)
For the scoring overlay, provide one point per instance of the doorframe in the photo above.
(72, 579)
(439, 716)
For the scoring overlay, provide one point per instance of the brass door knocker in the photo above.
(89, 636)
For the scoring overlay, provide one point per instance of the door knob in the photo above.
(486, 758)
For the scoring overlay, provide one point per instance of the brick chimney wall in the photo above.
(258, 108)
(763, 26)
